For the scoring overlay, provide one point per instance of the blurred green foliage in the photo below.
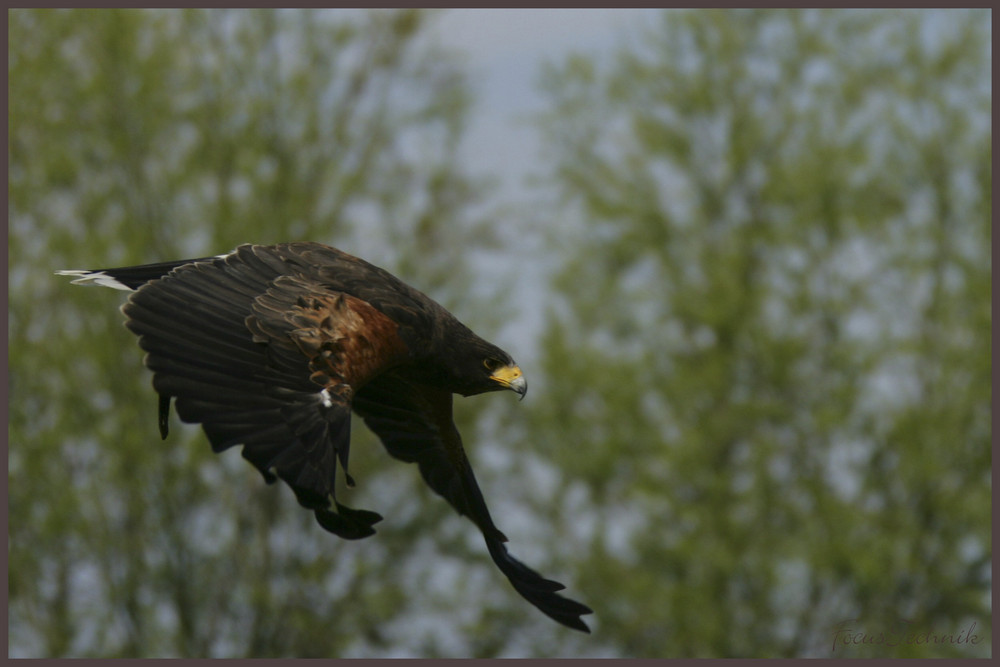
(139, 136)
(763, 408)
(769, 372)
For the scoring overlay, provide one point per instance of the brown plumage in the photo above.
(271, 347)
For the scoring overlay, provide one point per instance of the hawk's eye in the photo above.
(491, 364)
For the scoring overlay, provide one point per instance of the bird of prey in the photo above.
(272, 347)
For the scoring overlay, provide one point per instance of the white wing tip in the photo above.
(93, 278)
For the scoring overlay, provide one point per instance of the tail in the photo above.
(127, 278)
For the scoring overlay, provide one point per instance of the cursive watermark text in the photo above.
(898, 633)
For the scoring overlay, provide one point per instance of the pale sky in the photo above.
(506, 49)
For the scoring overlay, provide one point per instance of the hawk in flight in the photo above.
(272, 347)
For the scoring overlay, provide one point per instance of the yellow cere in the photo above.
(506, 374)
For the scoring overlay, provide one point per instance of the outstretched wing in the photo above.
(415, 424)
(266, 361)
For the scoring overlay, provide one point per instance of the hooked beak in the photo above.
(511, 377)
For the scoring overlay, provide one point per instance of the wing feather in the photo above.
(266, 361)
(415, 425)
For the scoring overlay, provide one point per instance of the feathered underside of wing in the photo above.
(415, 425)
(266, 361)
(345, 341)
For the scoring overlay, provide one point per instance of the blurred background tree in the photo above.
(138, 136)
(768, 364)
(763, 400)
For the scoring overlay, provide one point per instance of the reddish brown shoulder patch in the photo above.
(346, 339)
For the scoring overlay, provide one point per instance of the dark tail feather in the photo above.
(128, 277)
